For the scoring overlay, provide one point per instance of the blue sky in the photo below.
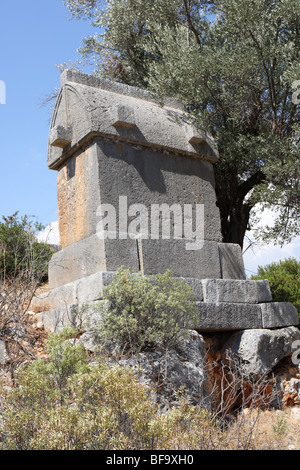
(35, 35)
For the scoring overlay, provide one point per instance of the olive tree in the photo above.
(235, 65)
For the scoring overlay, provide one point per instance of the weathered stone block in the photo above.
(80, 316)
(152, 178)
(59, 318)
(78, 195)
(123, 116)
(160, 255)
(84, 290)
(279, 314)
(259, 350)
(242, 316)
(119, 152)
(85, 104)
(92, 287)
(79, 260)
(236, 291)
(196, 286)
(90, 256)
(55, 298)
(232, 264)
(231, 316)
(60, 136)
(213, 316)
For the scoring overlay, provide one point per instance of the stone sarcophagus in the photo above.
(135, 188)
(113, 144)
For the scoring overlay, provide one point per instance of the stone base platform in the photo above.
(222, 304)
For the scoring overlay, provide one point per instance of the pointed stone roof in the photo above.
(88, 106)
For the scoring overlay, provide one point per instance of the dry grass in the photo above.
(266, 430)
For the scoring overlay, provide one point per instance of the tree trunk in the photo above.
(235, 223)
(234, 211)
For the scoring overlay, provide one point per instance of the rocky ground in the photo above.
(252, 375)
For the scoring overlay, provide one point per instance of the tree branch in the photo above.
(190, 23)
(249, 184)
(270, 80)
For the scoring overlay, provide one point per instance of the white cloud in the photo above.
(262, 254)
(50, 234)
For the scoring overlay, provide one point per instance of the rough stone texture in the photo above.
(89, 289)
(92, 288)
(60, 136)
(169, 372)
(110, 142)
(232, 264)
(237, 291)
(77, 315)
(160, 255)
(278, 314)
(78, 196)
(59, 318)
(90, 256)
(259, 350)
(196, 286)
(147, 176)
(203, 366)
(88, 105)
(81, 291)
(239, 316)
(228, 316)
(222, 305)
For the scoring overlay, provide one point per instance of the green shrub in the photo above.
(147, 312)
(94, 407)
(20, 251)
(284, 279)
(67, 355)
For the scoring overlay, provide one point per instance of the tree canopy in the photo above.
(21, 254)
(284, 279)
(235, 65)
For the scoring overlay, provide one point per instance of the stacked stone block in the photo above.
(109, 140)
